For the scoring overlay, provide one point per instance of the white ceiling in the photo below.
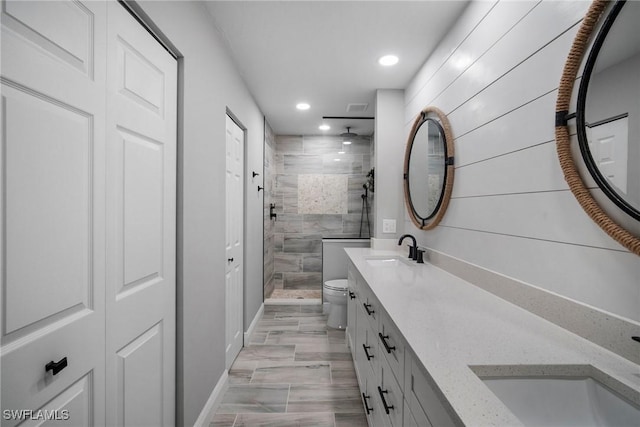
(325, 53)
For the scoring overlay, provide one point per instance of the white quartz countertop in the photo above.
(452, 325)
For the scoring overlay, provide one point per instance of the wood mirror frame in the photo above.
(563, 141)
(434, 219)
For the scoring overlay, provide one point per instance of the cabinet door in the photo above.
(392, 346)
(53, 212)
(422, 397)
(351, 306)
(389, 393)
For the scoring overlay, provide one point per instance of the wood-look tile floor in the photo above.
(296, 371)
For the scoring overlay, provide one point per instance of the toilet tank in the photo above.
(334, 258)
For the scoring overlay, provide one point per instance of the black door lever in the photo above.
(56, 366)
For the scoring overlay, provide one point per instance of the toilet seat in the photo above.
(336, 285)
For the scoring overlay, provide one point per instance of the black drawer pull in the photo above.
(384, 401)
(366, 406)
(383, 338)
(352, 295)
(366, 351)
(367, 307)
(56, 366)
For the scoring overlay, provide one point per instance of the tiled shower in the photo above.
(317, 192)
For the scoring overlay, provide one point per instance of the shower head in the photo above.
(348, 133)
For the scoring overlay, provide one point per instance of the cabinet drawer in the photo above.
(389, 395)
(421, 395)
(351, 307)
(392, 346)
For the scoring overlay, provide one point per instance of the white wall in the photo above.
(210, 85)
(496, 76)
(389, 138)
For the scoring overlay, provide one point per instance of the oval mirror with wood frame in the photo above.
(607, 114)
(428, 168)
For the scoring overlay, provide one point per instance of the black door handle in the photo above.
(229, 259)
(367, 307)
(384, 342)
(366, 351)
(366, 406)
(384, 401)
(352, 295)
(56, 366)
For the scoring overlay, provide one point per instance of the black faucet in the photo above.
(413, 250)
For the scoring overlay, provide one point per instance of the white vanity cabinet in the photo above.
(394, 388)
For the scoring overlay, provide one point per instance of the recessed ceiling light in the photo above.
(340, 152)
(303, 106)
(324, 127)
(336, 160)
(346, 142)
(388, 60)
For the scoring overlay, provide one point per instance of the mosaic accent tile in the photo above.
(322, 194)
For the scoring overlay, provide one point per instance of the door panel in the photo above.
(141, 193)
(53, 208)
(608, 144)
(140, 392)
(234, 293)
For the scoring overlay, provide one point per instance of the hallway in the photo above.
(295, 371)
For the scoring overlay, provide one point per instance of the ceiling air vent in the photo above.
(357, 108)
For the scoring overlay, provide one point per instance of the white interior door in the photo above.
(234, 239)
(141, 216)
(608, 144)
(53, 212)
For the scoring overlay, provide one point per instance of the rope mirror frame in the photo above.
(563, 142)
(435, 218)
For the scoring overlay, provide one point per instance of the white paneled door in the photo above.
(234, 240)
(88, 217)
(141, 217)
(608, 143)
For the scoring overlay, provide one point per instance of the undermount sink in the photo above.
(563, 401)
(389, 261)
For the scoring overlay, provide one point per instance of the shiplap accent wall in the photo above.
(496, 76)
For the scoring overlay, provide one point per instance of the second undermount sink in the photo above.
(389, 261)
(563, 401)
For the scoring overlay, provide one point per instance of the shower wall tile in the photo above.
(312, 263)
(348, 164)
(322, 224)
(321, 145)
(288, 262)
(302, 281)
(315, 197)
(278, 242)
(302, 163)
(303, 243)
(289, 144)
(289, 223)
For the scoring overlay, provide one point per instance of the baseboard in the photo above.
(210, 408)
(254, 323)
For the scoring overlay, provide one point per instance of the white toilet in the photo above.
(335, 293)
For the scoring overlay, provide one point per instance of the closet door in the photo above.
(141, 217)
(53, 212)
